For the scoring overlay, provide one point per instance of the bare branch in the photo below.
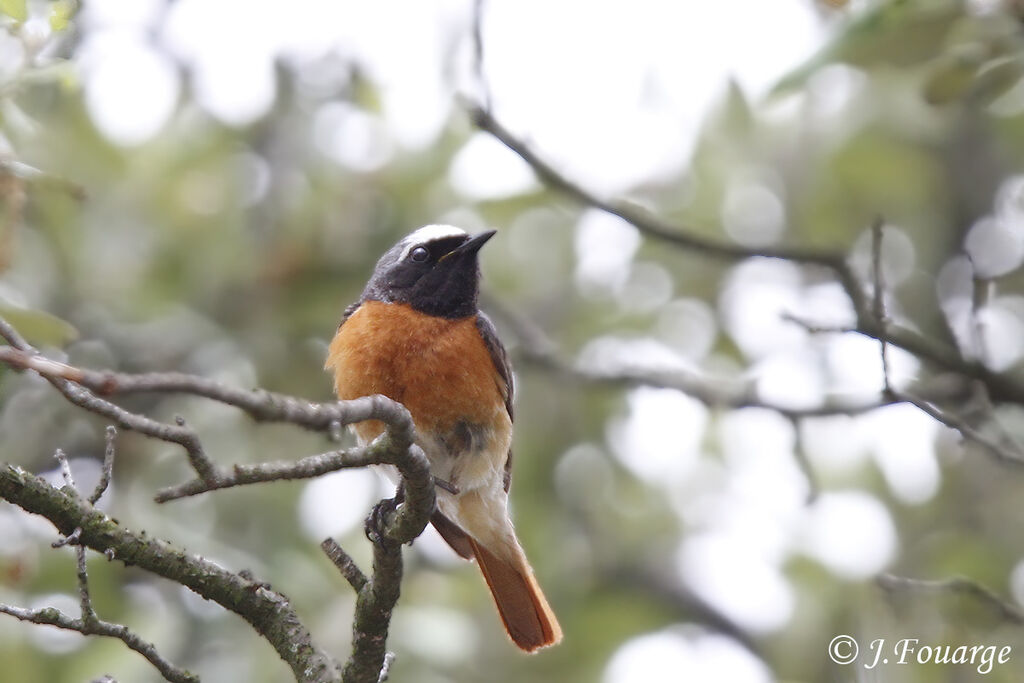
(107, 471)
(1001, 387)
(63, 378)
(50, 616)
(536, 348)
(78, 386)
(305, 468)
(478, 53)
(882, 325)
(261, 405)
(71, 539)
(878, 300)
(269, 612)
(65, 470)
(345, 564)
(804, 463)
(1008, 454)
(13, 337)
(84, 598)
(652, 226)
(89, 622)
(374, 603)
(955, 585)
(376, 595)
(668, 591)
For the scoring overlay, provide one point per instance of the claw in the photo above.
(378, 519)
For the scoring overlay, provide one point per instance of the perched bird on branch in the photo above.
(417, 337)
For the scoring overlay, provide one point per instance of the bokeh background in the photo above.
(203, 186)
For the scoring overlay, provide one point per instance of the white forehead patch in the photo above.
(429, 233)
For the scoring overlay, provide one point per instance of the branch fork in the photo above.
(270, 613)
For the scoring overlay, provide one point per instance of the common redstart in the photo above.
(416, 336)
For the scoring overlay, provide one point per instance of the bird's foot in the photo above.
(379, 518)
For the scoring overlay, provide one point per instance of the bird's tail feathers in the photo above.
(523, 608)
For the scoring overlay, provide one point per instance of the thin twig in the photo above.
(482, 83)
(67, 380)
(12, 336)
(89, 622)
(670, 592)
(982, 291)
(65, 470)
(53, 617)
(376, 598)
(804, 463)
(966, 430)
(269, 612)
(1010, 453)
(931, 408)
(345, 564)
(304, 468)
(84, 599)
(78, 385)
(107, 471)
(956, 585)
(70, 539)
(878, 301)
(652, 226)
(261, 405)
(536, 348)
(1001, 387)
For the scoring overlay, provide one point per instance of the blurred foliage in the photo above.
(232, 251)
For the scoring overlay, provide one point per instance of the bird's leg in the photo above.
(446, 485)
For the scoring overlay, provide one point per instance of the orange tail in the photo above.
(528, 619)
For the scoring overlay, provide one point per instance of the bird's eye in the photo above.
(419, 255)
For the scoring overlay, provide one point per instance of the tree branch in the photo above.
(259, 404)
(1000, 387)
(61, 376)
(50, 616)
(345, 564)
(536, 348)
(955, 585)
(266, 610)
(652, 226)
(107, 469)
(89, 623)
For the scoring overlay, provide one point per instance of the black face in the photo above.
(438, 276)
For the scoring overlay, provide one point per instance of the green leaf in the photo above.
(957, 78)
(997, 77)
(950, 81)
(16, 9)
(38, 327)
(61, 13)
(737, 115)
(902, 33)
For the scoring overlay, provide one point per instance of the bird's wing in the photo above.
(349, 310)
(507, 386)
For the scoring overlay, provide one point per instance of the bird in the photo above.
(416, 335)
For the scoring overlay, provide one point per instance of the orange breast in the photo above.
(439, 369)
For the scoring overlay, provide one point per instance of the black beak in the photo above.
(473, 244)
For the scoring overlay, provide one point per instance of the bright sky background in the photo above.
(614, 93)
